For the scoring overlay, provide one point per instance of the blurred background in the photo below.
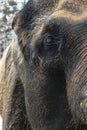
(7, 10)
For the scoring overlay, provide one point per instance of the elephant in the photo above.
(43, 72)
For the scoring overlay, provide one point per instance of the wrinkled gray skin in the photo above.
(43, 73)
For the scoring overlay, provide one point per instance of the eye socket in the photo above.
(50, 43)
(48, 40)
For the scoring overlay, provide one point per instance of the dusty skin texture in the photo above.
(43, 72)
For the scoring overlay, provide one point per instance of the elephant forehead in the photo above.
(75, 6)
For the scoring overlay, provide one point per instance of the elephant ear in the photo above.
(21, 50)
(16, 21)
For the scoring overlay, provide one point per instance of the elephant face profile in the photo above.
(46, 67)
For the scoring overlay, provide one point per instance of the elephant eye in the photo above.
(48, 41)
